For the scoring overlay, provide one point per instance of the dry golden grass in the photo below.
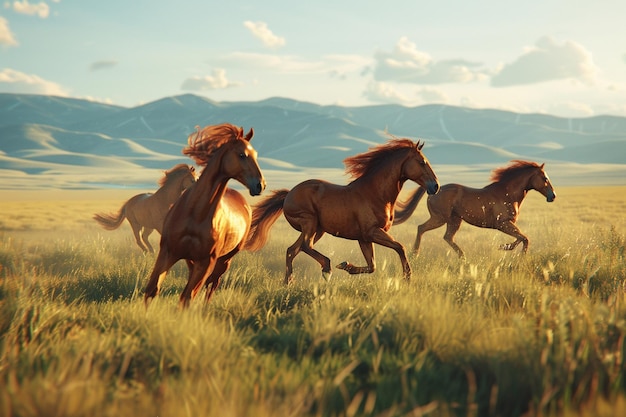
(501, 334)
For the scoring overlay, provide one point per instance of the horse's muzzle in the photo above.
(432, 187)
(551, 196)
(256, 187)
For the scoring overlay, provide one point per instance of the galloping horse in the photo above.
(361, 210)
(146, 212)
(209, 223)
(495, 206)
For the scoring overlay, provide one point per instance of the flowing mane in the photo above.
(173, 173)
(203, 143)
(361, 164)
(512, 170)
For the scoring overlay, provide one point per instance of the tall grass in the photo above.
(499, 334)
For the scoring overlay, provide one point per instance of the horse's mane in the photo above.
(204, 142)
(513, 169)
(361, 164)
(172, 173)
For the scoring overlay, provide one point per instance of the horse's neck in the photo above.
(170, 191)
(383, 184)
(515, 189)
(208, 190)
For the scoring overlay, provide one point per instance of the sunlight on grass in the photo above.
(497, 334)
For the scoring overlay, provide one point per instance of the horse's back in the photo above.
(147, 210)
(452, 198)
(309, 195)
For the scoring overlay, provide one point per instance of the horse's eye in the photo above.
(242, 155)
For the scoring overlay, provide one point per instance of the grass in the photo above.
(500, 334)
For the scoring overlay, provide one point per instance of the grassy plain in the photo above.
(500, 334)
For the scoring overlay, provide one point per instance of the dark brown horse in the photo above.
(209, 223)
(495, 206)
(362, 210)
(146, 212)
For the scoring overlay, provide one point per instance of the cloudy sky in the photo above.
(562, 57)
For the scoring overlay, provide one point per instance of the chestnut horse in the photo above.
(146, 212)
(209, 223)
(361, 210)
(495, 206)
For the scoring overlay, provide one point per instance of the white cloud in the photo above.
(6, 36)
(547, 61)
(40, 9)
(406, 64)
(103, 64)
(432, 95)
(335, 65)
(12, 81)
(379, 92)
(264, 34)
(278, 63)
(216, 81)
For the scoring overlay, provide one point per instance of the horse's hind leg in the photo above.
(292, 252)
(136, 229)
(454, 223)
(144, 236)
(512, 230)
(305, 244)
(307, 247)
(432, 223)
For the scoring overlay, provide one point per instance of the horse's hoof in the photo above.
(288, 280)
(344, 265)
(326, 275)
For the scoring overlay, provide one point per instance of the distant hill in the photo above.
(55, 142)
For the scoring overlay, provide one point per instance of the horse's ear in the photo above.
(419, 145)
(542, 165)
(250, 134)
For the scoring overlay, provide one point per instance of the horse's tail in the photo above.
(404, 209)
(111, 221)
(264, 215)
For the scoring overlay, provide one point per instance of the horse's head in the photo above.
(539, 181)
(240, 163)
(417, 168)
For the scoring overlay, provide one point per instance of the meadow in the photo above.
(499, 334)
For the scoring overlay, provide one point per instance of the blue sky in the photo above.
(566, 58)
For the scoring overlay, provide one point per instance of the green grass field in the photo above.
(500, 334)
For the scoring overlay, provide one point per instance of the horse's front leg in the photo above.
(221, 266)
(162, 264)
(197, 276)
(368, 253)
(512, 230)
(379, 236)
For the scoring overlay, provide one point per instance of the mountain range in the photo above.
(49, 142)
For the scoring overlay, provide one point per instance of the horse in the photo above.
(209, 223)
(496, 206)
(146, 212)
(362, 210)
